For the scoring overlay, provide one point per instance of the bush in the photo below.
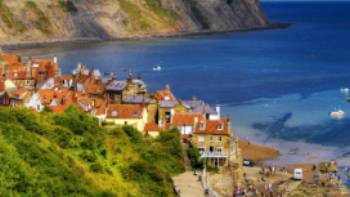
(77, 121)
(96, 167)
(194, 155)
(88, 156)
(134, 135)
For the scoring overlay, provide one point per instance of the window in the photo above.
(134, 114)
(201, 138)
(219, 149)
(219, 138)
(114, 113)
(211, 138)
(168, 117)
(220, 127)
(202, 126)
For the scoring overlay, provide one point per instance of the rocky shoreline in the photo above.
(42, 44)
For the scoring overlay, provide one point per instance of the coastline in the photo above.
(42, 44)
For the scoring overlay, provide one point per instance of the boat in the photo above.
(344, 90)
(337, 115)
(157, 68)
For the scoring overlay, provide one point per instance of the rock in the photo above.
(45, 21)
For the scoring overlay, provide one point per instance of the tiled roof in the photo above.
(151, 126)
(136, 99)
(16, 71)
(116, 86)
(94, 88)
(62, 96)
(167, 104)
(214, 127)
(9, 58)
(66, 77)
(100, 111)
(186, 119)
(198, 106)
(127, 111)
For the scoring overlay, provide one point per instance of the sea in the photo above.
(278, 86)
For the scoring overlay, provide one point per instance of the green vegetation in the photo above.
(67, 6)
(9, 19)
(194, 155)
(168, 15)
(68, 154)
(139, 22)
(42, 22)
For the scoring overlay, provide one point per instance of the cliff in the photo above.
(57, 20)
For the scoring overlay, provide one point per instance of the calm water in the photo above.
(277, 85)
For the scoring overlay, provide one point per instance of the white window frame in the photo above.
(201, 138)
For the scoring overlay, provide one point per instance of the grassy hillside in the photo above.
(68, 154)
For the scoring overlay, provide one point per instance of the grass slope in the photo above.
(68, 154)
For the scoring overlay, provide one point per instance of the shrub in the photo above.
(77, 121)
(96, 167)
(134, 135)
(88, 156)
(194, 155)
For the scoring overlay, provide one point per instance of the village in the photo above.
(38, 84)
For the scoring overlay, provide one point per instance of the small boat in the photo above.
(344, 90)
(157, 68)
(337, 115)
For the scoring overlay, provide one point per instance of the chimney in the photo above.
(55, 60)
(194, 98)
(129, 80)
(218, 110)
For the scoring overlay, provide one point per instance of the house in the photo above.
(57, 100)
(119, 91)
(199, 106)
(186, 123)
(42, 69)
(127, 114)
(214, 141)
(18, 97)
(168, 106)
(152, 129)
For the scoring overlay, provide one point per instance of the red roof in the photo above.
(129, 111)
(214, 127)
(151, 126)
(16, 71)
(9, 58)
(187, 119)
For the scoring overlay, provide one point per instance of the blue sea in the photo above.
(278, 86)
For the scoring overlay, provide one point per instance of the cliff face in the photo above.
(43, 20)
